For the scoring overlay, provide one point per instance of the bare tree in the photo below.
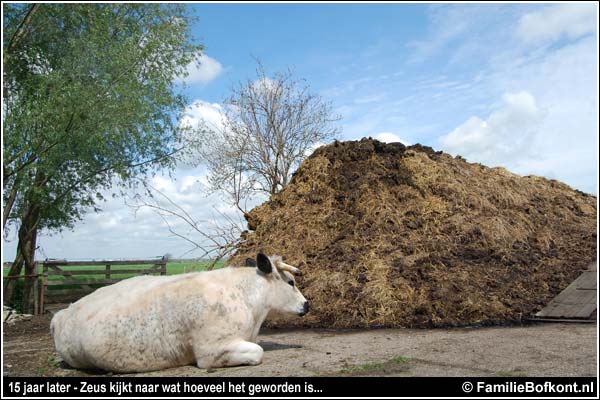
(269, 126)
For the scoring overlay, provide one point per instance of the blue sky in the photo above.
(319, 41)
(512, 85)
(352, 54)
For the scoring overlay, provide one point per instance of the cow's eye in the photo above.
(291, 283)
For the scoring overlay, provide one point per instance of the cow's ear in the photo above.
(250, 262)
(263, 263)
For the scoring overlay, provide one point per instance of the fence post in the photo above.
(35, 289)
(107, 274)
(43, 288)
(163, 266)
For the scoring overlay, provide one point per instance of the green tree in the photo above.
(89, 101)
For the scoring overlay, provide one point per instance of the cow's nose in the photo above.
(305, 308)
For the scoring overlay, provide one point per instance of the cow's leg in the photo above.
(243, 353)
(239, 352)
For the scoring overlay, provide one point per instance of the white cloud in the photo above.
(265, 85)
(507, 134)
(375, 98)
(110, 222)
(564, 82)
(202, 111)
(389, 137)
(448, 26)
(203, 70)
(552, 22)
(188, 182)
(163, 184)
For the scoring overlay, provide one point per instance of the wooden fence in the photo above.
(70, 287)
(66, 281)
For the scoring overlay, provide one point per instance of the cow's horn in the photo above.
(287, 267)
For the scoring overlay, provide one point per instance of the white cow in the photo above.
(148, 323)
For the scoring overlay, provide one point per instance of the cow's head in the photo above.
(283, 294)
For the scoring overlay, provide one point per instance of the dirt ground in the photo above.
(540, 349)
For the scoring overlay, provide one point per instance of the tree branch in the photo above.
(20, 31)
(222, 239)
(103, 170)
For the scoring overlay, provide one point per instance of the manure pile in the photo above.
(395, 236)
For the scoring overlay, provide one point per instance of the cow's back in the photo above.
(132, 325)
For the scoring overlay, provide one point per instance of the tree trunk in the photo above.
(28, 239)
(25, 257)
(9, 284)
(27, 242)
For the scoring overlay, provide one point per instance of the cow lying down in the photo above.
(149, 323)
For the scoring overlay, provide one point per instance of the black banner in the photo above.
(111, 386)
